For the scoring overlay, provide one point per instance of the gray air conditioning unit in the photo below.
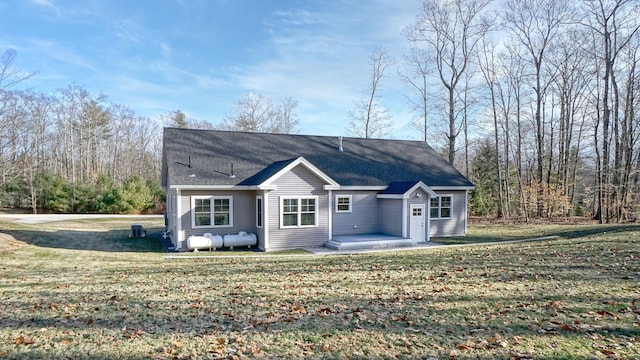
(137, 231)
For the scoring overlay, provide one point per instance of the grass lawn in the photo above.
(81, 289)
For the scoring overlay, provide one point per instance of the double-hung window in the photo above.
(441, 207)
(343, 203)
(298, 212)
(212, 211)
(201, 212)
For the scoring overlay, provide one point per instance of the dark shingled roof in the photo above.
(399, 188)
(211, 154)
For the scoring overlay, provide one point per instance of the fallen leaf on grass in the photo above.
(606, 313)
(324, 311)
(467, 345)
(21, 340)
(603, 349)
(178, 344)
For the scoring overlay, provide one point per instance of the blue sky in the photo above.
(200, 56)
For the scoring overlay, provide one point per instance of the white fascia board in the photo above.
(332, 187)
(309, 166)
(451, 188)
(407, 194)
(363, 188)
(391, 196)
(215, 187)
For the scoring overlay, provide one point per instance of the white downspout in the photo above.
(428, 215)
(178, 234)
(404, 217)
(265, 220)
(330, 206)
(466, 210)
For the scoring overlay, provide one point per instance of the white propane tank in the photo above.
(240, 239)
(216, 240)
(196, 242)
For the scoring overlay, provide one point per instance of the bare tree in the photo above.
(570, 84)
(490, 74)
(179, 119)
(10, 76)
(535, 23)
(510, 94)
(257, 113)
(368, 118)
(615, 24)
(452, 29)
(416, 80)
(287, 121)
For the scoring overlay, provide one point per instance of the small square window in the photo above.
(343, 203)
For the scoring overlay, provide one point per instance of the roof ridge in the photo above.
(260, 133)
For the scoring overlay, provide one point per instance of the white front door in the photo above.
(416, 225)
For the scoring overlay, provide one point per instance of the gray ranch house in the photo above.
(300, 191)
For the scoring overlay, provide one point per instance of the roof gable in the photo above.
(265, 178)
(405, 189)
(255, 157)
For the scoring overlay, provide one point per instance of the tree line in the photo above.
(544, 96)
(73, 151)
(534, 100)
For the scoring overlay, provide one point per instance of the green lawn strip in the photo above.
(481, 233)
(568, 298)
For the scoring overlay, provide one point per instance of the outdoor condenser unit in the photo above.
(137, 231)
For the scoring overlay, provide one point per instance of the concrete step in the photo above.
(372, 244)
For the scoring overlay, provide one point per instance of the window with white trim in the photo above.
(211, 211)
(298, 212)
(441, 207)
(201, 212)
(343, 203)
(259, 211)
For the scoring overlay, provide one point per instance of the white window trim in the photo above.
(258, 220)
(299, 198)
(212, 212)
(350, 197)
(439, 197)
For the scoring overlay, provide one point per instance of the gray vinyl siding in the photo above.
(363, 218)
(297, 182)
(391, 216)
(244, 218)
(455, 226)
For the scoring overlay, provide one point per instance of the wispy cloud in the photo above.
(315, 52)
(45, 3)
(130, 31)
(60, 52)
(321, 59)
